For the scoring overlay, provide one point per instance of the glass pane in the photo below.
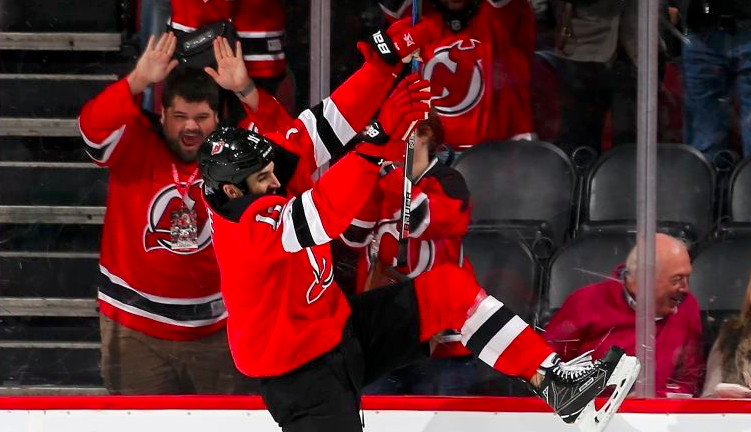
(705, 83)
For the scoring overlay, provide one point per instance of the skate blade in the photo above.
(623, 378)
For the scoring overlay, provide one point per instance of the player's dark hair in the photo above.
(191, 84)
(433, 126)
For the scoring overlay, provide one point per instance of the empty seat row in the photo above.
(532, 190)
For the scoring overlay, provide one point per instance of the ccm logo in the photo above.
(381, 43)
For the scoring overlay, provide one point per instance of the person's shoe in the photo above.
(570, 387)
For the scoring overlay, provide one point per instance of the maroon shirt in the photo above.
(598, 316)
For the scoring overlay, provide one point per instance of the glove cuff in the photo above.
(373, 133)
(384, 46)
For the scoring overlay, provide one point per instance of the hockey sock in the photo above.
(450, 298)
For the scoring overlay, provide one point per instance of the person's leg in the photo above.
(209, 368)
(449, 297)
(134, 363)
(316, 397)
(706, 98)
(742, 55)
(583, 99)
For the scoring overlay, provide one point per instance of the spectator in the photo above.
(479, 68)
(729, 363)
(162, 314)
(439, 220)
(715, 62)
(596, 43)
(259, 24)
(596, 316)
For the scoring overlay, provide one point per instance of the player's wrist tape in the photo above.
(373, 133)
(246, 91)
(375, 160)
(384, 46)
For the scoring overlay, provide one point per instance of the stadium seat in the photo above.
(685, 192)
(739, 213)
(719, 279)
(523, 188)
(506, 268)
(586, 260)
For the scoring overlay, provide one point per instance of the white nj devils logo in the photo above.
(455, 74)
(156, 234)
(321, 281)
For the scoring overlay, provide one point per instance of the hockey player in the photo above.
(289, 324)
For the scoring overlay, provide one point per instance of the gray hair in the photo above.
(631, 259)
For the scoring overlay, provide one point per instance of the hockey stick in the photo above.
(409, 151)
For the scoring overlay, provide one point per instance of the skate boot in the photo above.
(570, 387)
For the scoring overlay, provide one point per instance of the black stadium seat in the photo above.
(685, 192)
(720, 275)
(506, 268)
(524, 188)
(739, 213)
(586, 260)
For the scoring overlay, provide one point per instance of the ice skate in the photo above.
(570, 387)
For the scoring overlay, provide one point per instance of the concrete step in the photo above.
(49, 238)
(52, 184)
(60, 41)
(39, 127)
(48, 149)
(60, 15)
(48, 307)
(48, 95)
(52, 215)
(51, 366)
(49, 274)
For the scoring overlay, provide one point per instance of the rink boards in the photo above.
(408, 414)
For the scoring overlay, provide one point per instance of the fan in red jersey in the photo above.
(289, 324)
(479, 67)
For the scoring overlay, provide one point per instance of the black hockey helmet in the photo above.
(231, 154)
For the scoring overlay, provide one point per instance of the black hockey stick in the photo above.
(409, 151)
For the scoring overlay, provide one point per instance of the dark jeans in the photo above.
(714, 64)
(588, 91)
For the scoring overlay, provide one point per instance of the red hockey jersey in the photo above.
(439, 220)
(277, 275)
(259, 24)
(153, 288)
(480, 75)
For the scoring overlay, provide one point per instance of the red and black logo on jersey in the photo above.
(156, 234)
(456, 78)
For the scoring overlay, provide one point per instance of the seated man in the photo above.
(600, 315)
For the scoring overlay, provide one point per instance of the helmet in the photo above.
(231, 154)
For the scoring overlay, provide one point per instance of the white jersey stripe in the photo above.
(263, 57)
(338, 123)
(260, 34)
(320, 152)
(289, 238)
(108, 144)
(485, 310)
(181, 27)
(314, 219)
(501, 340)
